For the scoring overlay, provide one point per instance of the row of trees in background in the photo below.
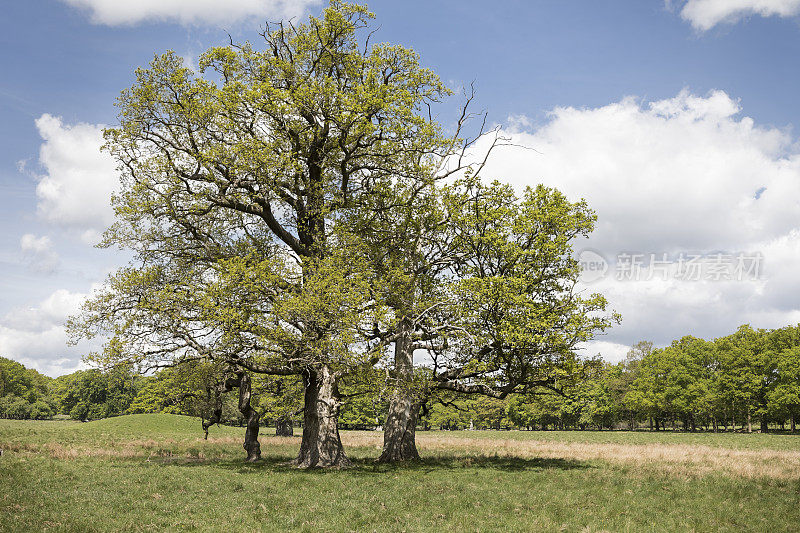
(92, 394)
(751, 376)
(24, 392)
(746, 379)
(83, 395)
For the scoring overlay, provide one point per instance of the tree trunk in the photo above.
(749, 422)
(399, 434)
(216, 414)
(321, 445)
(252, 419)
(284, 427)
(793, 424)
(764, 425)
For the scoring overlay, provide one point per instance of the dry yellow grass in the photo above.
(676, 459)
(680, 459)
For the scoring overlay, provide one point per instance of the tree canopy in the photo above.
(295, 210)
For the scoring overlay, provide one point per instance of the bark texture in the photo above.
(321, 445)
(252, 419)
(241, 379)
(216, 414)
(399, 434)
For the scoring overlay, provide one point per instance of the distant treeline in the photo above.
(751, 377)
(82, 395)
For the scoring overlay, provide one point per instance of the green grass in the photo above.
(63, 476)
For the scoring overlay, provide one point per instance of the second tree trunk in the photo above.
(399, 434)
(321, 445)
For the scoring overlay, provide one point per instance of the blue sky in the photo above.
(666, 116)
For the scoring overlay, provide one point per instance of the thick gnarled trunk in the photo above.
(321, 445)
(252, 419)
(399, 434)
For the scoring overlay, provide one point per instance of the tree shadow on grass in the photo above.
(462, 462)
(369, 466)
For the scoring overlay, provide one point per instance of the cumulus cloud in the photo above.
(36, 336)
(209, 12)
(686, 175)
(611, 351)
(673, 175)
(79, 179)
(39, 253)
(705, 14)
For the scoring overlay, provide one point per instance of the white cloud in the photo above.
(79, 179)
(671, 176)
(211, 12)
(610, 351)
(518, 123)
(705, 14)
(36, 337)
(39, 253)
(31, 243)
(676, 175)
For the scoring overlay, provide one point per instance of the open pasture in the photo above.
(155, 472)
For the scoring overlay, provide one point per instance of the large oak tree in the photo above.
(239, 173)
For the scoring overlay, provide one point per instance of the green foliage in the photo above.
(691, 384)
(20, 381)
(783, 398)
(285, 210)
(93, 394)
(12, 406)
(24, 392)
(449, 411)
(41, 410)
(185, 390)
(363, 411)
(278, 398)
(516, 316)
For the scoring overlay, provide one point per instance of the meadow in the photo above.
(156, 473)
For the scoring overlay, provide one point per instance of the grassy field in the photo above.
(155, 473)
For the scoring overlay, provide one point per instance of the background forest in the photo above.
(749, 379)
